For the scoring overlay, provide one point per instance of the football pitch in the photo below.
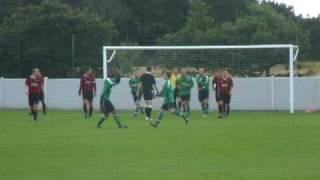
(249, 145)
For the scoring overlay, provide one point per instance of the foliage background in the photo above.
(63, 37)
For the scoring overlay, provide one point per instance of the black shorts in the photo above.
(42, 96)
(176, 93)
(185, 97)
(202, 95)
(106, 106)
(87, 95)
(136, 96)
(34, 98)
(168, 106)
(225, 98)
(148, 96)
(218, 97)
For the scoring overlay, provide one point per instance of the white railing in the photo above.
(248, 94)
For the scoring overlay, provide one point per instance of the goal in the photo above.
(254, 63)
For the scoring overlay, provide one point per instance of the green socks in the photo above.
(101, 121)
(117, 120)
(205, 108)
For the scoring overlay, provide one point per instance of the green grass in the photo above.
(249, 145)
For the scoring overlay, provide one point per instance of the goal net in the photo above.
(264, 74)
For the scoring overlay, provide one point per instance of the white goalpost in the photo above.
(243, 57)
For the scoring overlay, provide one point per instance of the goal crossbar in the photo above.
(265, 46)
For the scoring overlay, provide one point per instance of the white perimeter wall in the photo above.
(248, 94)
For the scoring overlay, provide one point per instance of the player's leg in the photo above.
(104, 117)
(179, 106)
(84, 105)
(116, 118)
(136, 103)
(221, 108)
(139, 103)
(164, 107)
(35, 111)
(90, 108)
(90, 103)
(227, 105)
(200, 100)
(44, 107)
(86, 98)
(206, 102)
(177, 101)
(218, 99)
(104, 113)
(223, 104)
(186, 108)
(30, 104)
(148, 109)
(206, 106)
(183, 101)
(35, 101)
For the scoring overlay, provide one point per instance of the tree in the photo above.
(314, 26)
(199, 29)
(281, 8)
(229, 10)
(263, 25)
(44, 32)
(153, 18)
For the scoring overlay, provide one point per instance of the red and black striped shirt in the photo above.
(215, 83)
(225, 85)
(87, 83)
(34, 84)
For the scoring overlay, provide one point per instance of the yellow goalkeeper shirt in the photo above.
(174, 78)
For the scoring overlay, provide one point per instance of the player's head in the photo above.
(166, 75)
(218, 72)
(35, 71)
(201, 71)
(135, 72)
(225, 73)
(89, 70)
(139, 72)
(175, 71)
(149, 69)
(183, 72)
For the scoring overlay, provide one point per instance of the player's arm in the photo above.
(191, 84)
(129, 83)
(231, 86)
(199, 82)
(42, 84)
(26, 85)
(155, 86)
(139, 88)
(81, 86)
(207, 81)
(214, 84)
(94, 86)
(117, 79)
(162, 92)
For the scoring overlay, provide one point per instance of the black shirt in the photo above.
(147, 81)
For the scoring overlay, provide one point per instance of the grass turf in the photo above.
(249, 145)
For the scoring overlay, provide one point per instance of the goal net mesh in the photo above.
(240, 62)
